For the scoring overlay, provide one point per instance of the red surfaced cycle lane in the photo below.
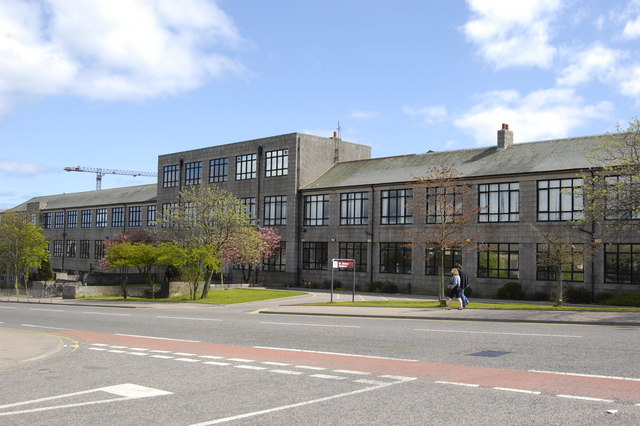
(554, 383)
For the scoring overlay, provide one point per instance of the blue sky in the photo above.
(115, 83)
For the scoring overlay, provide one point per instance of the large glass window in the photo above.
(151, 215)
(59, 220)
(85, 219)
(46, 220)
(499, 202)
(276, 163)
(117, 217)
(275, 210)
(620, 193)
(249, 205)
(560, 199)
(572, 272)
(278, 260)
(72, 219)
(57, 248)
(167, 214)
(135, 216)
(316, 210)
(85, 246)
(193, 173)
(71, 248)
(219, 170)
(395, 258)
(395, 207)
(356, 251)
(354, 208)
(444, 203)
(622, 263)
(432, 260)
(98, 251)
(170, 176)
(246, 167)
(498, 260)
(101, 218)
(314, 255)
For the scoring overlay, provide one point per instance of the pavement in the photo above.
(19, 346)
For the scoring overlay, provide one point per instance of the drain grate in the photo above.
(489, 353)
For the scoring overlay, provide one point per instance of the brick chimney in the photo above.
(505, 137)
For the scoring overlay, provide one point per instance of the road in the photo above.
(188, 365)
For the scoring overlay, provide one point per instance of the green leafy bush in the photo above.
(623, 299)
(390, 288)
(577, 295)
(511, 291)
(540, 296)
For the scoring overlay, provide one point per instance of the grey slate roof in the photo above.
(138, 194)
(531, 157)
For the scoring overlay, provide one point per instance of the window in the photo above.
(246, 167)
(357, 252)
(57, 248)
(395, 258)
(314, 255)
(117, 217)
(135, 216)
(249, 205)
(395, 208)
(354, 208)
(278, 260)
(316, 210)
(218, 170)
(85, 246)
(193, 173)
(498, 260)
(101, 218)
(98, 249)
(46, 220)
(560, 199)
(72, 219)
(622, 263)
(167, 214)
(499, 202)
(432, 260)
(71, 248)
(620, 204)
(151, 215)
(573, 272)
(275, 210)
(85, 219)
(170, 176)
(277, 163)
(444, 203)
(59, 220)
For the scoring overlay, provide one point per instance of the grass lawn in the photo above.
(220, 297)
(478, 305)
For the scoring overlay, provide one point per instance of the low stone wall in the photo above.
(77, 290)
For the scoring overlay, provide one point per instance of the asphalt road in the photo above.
(189, 365)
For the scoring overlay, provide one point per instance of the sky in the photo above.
(114, 83)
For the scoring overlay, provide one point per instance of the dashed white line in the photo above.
(334, 353)
(250, 367)
(239, 360)
(518, 390)
(43, 326)
(328, 376)
(187, 360)
(310, 325)
(216, 363)
(471, 385)
(45, 310)
(159, 338)
(162, 356)
(277, 364)
(189, 318)
(106, 313)
(496, 333)
(362, 373)
(183, 354)
(595, 376)
(138, 353)
(585, 398)
(310, 367)
(290, 372)
(210, 357)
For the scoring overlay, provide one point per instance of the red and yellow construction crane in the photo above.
(101, 172)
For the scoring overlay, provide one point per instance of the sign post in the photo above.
(344, 264)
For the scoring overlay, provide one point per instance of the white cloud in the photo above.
(545, 114)
(632, 28)
(630, 82)
(120, 49)
(22, 169)
(428, 115)
(512, 33)
(596, 62)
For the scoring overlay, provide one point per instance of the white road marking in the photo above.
(216, 363)
(277, 364)
(187, 360)
(7, 307)
(286, 407)
(137, 353)
(239, 360)
(97, 349)
(458, 384)
(361, 373)
(518, 390)
(497, 333)
(369, 382)
(43, 326)
(161, 356)
(106, 313)
(328, 376)
(158, 338)
(291, 372)
(309, 367)
(124, 392)
(46, 310)
(585, 398)
(309, 325)
(189, 318)
(335, 353)
(183, 354)
(210, 357)
(595, 376)
(250, 367)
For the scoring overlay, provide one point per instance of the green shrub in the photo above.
(389, 288)
(511, 291)
(603, 296)
(540, 296)
(577, 295)
(327, 284)
(623, 299)
(44, 272)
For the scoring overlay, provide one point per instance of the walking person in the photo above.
(464, 283)
(454, 289)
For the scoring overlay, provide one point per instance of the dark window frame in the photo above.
(395, 258)
(315, 255)
(316, 210)
(501, 253)
(219, 170)
(246, 166)
(170, 176)
(358, 251)
(395, 207)
(491, 202)
(354, 208)
(565, 194)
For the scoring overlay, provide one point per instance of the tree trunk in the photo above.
(559, 289)
(207, 284)
(441, 267)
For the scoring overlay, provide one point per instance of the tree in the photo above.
(23, 247)
(193, 261)
(248, 247)
(205, 220)
(557, 253)
(441, 197)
